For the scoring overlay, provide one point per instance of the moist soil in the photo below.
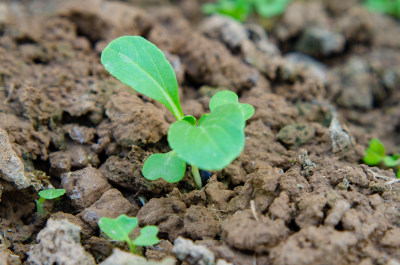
(324, 78)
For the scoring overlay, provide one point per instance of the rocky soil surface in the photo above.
(324, 80)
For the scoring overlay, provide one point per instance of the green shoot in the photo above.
(237, 9)
(49, 194)
(119, 229)
(241, 9)
(142, 66)
(270, 8)
(375, 154)
(210, 143)
(390, 7)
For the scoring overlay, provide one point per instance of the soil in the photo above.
(324, 80)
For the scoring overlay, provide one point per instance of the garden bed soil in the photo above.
(298, 194)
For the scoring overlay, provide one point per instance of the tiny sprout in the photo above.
(119, 229)
(48, 194)
(241, 9)
(211, 143)
(390, 7)
(376, 153)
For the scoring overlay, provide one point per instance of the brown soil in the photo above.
(298, 194)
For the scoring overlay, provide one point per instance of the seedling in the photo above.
(237, 9)
(120, 228)
(48, 194)
(210, 143)
(375, 154)
(270, 8)
(390, 7)
(241, 9)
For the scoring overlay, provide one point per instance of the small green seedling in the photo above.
(270, 8)
(375, 154)
(120, 228)
(211, 143)
(390, 7)
(49, 194)
(237, 9)
(241, 9)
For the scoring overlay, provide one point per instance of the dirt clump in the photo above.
(59, 243)
(111, 204)
(245, 232)
(200, 223)
(312, 245)
(7, 257)
(84, 186)
(166, 213)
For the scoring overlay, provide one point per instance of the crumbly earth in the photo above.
(298, 193)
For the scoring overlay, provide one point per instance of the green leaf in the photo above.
(377, 146)
(167, 166)
(190, 119)
(391, 7)
(371, 158)
(203, 117)
(213, 144)
(377, 6)
(142, 66)
(51, 193)
(229, 97)
(391, 161)
(119, 228)
(147, 237)
(271, 8)
(237, 9)
(374, 153)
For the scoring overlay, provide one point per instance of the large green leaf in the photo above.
(213, 144)
(119, 228)
(142, 66)
(167, 166)
(229, 97)
(147, 237)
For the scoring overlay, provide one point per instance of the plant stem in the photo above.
(196, 176)
(132, 247)
(39, 205)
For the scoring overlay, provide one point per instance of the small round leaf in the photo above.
(147, 237)
(119, 228)
(371, 158)
(377, 146)
(51, 193)
(391, 161)
(374, 153)
(229, 97)
(190, 119)
(168, 166)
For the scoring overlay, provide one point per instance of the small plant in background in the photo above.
(49, 194)
(376, 154)
(241, 9)
(390, 7)
(237, 9)
(211, 143)
(119, 229)
(270, 8)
